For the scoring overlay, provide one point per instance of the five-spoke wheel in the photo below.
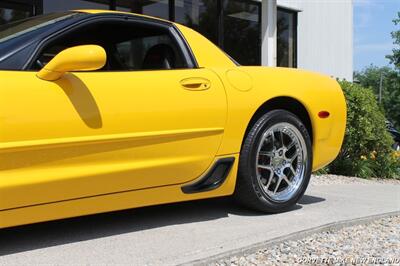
(275, 162)
(281, 161)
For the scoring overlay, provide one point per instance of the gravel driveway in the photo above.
(373, 243)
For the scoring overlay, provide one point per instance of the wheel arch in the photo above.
(286, 103)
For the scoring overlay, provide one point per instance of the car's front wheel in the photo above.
(275, 163)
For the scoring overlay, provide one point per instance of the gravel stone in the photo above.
(338, 179)
(377, 242)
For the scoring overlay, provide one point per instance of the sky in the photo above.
(372, 27)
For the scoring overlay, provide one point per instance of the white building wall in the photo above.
(324, 35)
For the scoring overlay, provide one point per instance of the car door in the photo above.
(94, 133)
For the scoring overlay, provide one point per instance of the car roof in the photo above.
(105, 11)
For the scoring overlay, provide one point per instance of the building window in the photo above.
(57, 6)
(200, 15)
(233, 25)
(286, 38)
(155, 8)
(15, 10)
(241, 31)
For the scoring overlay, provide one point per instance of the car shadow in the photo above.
(81, 99)
(54, 233)
(307, 199)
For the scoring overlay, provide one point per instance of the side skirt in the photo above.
(116, 201)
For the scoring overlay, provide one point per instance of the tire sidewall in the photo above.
(265, 122)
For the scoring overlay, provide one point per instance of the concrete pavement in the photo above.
(184, 232)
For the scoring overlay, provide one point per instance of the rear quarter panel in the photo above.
(316, 92)
(248, 88)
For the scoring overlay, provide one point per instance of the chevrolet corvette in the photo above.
(103, 111)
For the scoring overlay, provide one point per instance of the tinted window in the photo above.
(129, 46)
(140, 53)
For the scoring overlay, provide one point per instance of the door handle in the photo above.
(196, 84)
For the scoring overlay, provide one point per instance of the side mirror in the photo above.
(78, 58)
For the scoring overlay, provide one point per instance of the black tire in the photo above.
(248, 191)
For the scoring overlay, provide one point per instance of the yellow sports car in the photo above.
(103, 111)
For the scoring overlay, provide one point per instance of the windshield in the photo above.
(15, 29)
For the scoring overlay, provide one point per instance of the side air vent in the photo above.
(213, 179)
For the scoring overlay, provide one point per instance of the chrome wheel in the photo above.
(281, 161)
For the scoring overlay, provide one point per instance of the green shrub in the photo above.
(366, 151)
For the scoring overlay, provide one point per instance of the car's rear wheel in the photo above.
(275, 163)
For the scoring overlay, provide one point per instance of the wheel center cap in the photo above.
(278, 161)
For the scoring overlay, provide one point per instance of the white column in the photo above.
(268, 32)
